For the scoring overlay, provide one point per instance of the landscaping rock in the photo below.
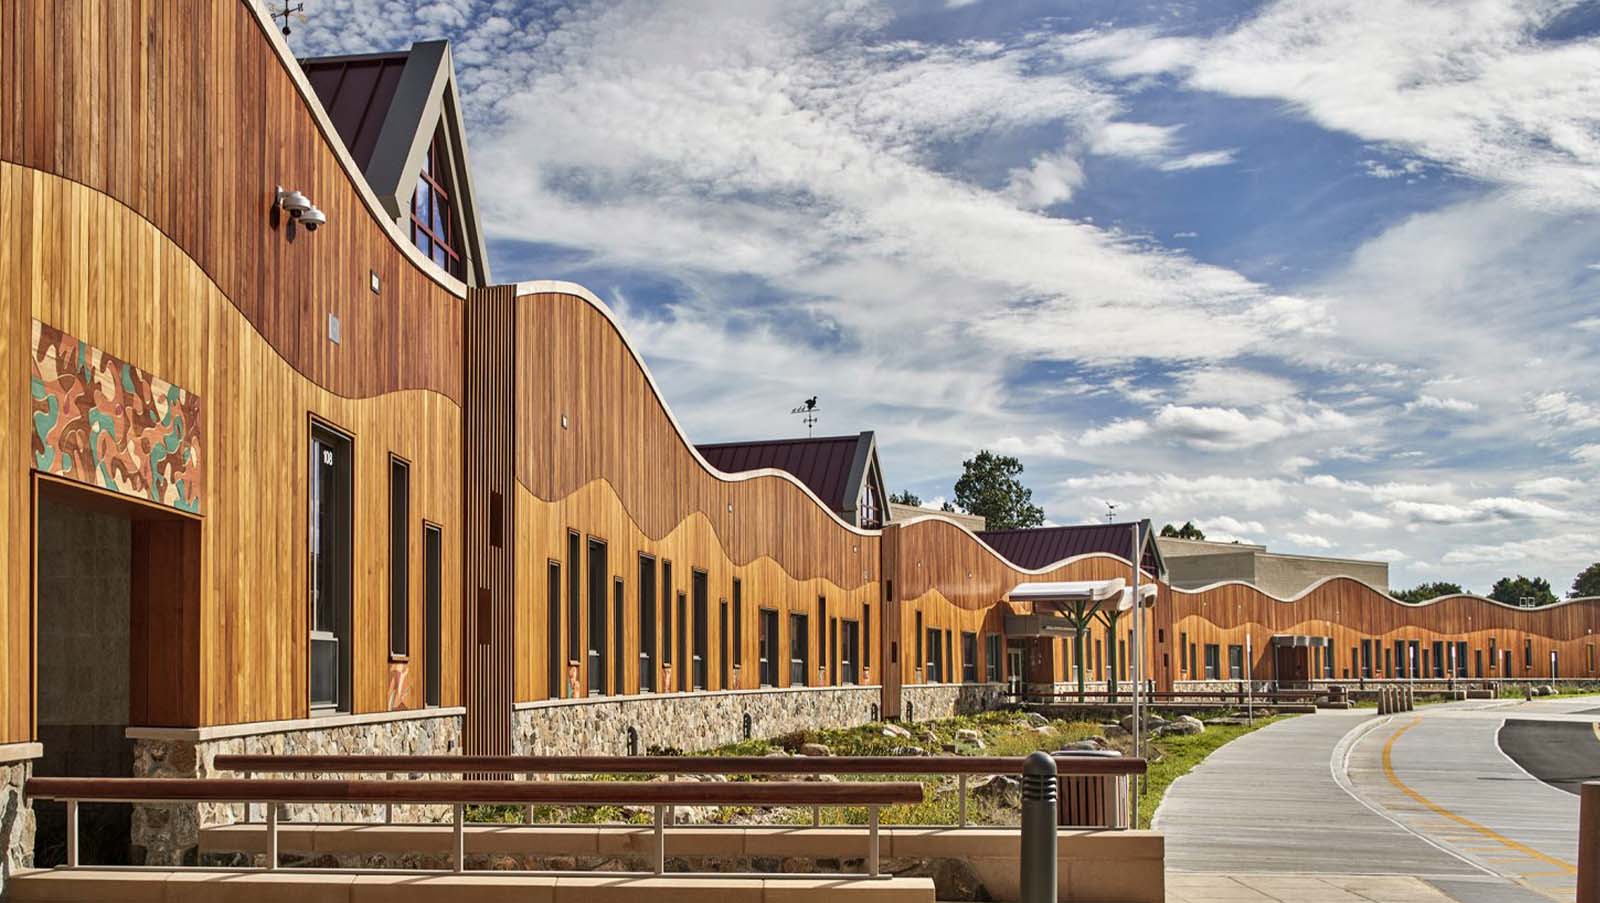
(1184, 725)
(968, 735)
(1081, 746)
(778, 754)
(1037, 718)
(908, 751)
(1000, 788)
(896, 731)
(815, 749)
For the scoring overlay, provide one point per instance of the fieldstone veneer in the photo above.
(169, 835)
(16, 820)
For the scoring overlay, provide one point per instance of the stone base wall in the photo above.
(930, 702)
(16, 820)
(169, 835)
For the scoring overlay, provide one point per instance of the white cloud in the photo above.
(1309, 541)
(1198, 160)
(1133, 139)
(1044, 445)
(1356, 519)
(1564, 410)
(1554, 487)
(1475, 511)
(1588, 454)
(1296, 463)
(1224, 524)
(1212, 428)
(1222, 384)
(1050, 179)
(1435, 403)
(1115, 433)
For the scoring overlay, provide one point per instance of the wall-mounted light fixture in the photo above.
(300, 208)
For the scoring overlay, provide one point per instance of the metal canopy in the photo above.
(1295, 639)
(1069, 591)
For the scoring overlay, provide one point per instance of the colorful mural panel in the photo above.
(102, 421)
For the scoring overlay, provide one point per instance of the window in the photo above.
(1400, 658)
(1099, 663)
(1438, 658)
(647, 624)
(935, 670)
(871, 510)
(866, 633)
(991, 658)
(767, 651)
(596, 659)
(1327, 659)
(685, 667)
(1588, 650)
(399, 557)
(738, 624)
(1461, 659)
(666, 618)
(826, 647)
(1213, 655)
(574, 599)
(1414, 663)
(1194, 663)
(433, 622)
(1527, 655)
(723, 662)
(969, 657)
(949, 656)
(799, 648)
(700, 583)
(916, 632)
(1236, 662)
(433, 225)
(1477, 662)
(1183, 652)
(619, 638)
(553, 612)
(850, 651)
(1366, 658)
(1122, 659)
(329, 542)
(1492, 657)
(1388, 662)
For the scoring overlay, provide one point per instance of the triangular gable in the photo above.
(425, 104)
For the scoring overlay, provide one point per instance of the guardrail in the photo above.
(871, 794)
(963, 767)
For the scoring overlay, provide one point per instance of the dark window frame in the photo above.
(433, 229)
(432, 613)
(399, 559)
(338, 619)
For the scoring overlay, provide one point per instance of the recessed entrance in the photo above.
(115, 584)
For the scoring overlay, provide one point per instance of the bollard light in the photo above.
(1039, 791)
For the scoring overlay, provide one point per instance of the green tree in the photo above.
(989, 487)
(906, 497)
(1512, 591)
(1422, 592)
(1187, 531)
(1588, 582)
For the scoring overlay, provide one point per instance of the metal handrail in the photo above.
(458, 794)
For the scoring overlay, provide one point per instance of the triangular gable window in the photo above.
(434, 228)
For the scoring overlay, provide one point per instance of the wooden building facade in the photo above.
(343, 474)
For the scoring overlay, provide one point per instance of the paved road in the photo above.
(1440, 772)
(1563, 754)
(1269, 802)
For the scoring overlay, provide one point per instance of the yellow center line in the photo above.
(1566, 868)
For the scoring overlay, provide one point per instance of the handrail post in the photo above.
(388, 808)
(961, 795)
(527, 817)
(72, 834)
(1038, 879)
(816, 816)
(459, 848)
(872, 841)
(272, 835)
(661, 840)
(1589, 843)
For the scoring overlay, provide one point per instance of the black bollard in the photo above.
(1039, 791)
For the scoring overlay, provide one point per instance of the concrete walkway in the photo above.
(1440, 772)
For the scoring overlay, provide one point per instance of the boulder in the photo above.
(815, 749)
(1037, 718)
(908, 751)
(1081, 746)
(896, 731)
(778, 754)
(999, 788)
(968, 735)
(1184, 725)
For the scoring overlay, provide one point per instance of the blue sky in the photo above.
(1321, 276)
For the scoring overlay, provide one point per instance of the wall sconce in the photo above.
(300, 208)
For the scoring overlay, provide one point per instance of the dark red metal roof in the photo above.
(1037, 547)
(823, 463)
(356, 91)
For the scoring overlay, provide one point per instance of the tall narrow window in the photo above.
(935, 670)
(824, 658)
(1527, 655)
(647, 624)
(433, 222)
(849, 651)
(738, 623)
(399, 557)
(799, 649)
(683, 642)
(619, 633)
(723, 663)
(574, 598)
(702, 627)
(1493, 658)
(916, 632)
(330, 570)
(596, 650)
(432, 604)
(553, 663)
(833, 652)
(866, 636)
(768, 649)
(1183, 652)
(969, 657)
(991, 658)
(666, 619)
(1212, 661)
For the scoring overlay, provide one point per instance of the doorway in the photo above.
(1014, 659)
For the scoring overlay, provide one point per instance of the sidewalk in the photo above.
(1200, 887)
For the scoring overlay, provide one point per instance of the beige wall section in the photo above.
(1192, 564)
(106, 276)
(899, 512)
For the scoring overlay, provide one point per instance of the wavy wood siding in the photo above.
(181, 111)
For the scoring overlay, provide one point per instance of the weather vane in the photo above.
(298, 10)
(1111, 512)
(810, 410)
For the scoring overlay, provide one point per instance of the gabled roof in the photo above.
(387, 107)
(1036, 547)
(833, 467)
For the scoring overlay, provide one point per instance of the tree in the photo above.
(1187, 531)
(1588, 582)
(1422, 592)
(1513, 591)
(989, 487)
(906, 497)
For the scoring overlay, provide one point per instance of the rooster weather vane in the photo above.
(284, 11)
(810, 410)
